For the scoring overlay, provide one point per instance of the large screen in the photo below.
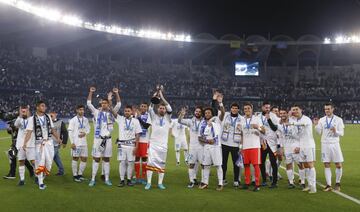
(246, 69)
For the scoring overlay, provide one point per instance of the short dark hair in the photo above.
(79, 107)
(265, 103)
(209, 108)
(105, 99)
(162, 104)
(234, 104)
(274, 107)
(330, 104)
(128, 107)
(23, 107)
(38, 103)
(248, 104)
(144, 103)
(296, 105)
(283, 109)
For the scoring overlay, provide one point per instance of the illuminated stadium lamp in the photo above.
(55, 15)
(327, 40)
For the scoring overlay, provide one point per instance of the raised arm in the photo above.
(89, 99)
(221, 106)
(118, 100)
(181, 119)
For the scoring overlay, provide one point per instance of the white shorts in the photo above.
(212, 155)
(79, 151)
(331, 153)
(307, 155)
(195, 155)
(126, 153)
(157, 158)
(291, 157)
(106, 152)
(181, 144)
(29, 154)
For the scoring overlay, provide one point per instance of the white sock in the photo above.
(307, 175)
(102, 168)
(95, 167)
(41, 178)
(268, 168)
(202, 175)
(302, 175)
(130, 169)
(74, 166)
(107, 170)
(22, 173)
(149, 176)
(122, 169)
(290, 175)
(338, 173)
(161, 178)
(186, 155)
(177, 154)
(206, 174)
(191, 175)
(82, 168)
(220, 174)
(196, 169)
(328, 176)
(312, 177)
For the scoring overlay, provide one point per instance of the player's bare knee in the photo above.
(75, 158)
(97, 160)
(327, 165)
(338, 165)
(83, 159)
(21, 163)
(106, 159)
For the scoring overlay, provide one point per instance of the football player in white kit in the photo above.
(331, 128)
(79, 128)
(210, 129)
(195, 148)
(307, 145)
(29, 154)
(179, 133)
(289, 141)
(128, 143)
(160, 125)
(104, 125)
(40, 130)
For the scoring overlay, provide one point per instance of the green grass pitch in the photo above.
(62, 194)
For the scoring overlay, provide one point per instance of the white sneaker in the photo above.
(306, 189)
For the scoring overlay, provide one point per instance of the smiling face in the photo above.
(24, 112)
(266, 108)
(104, 104)
(128, 112)
(296, 111)
(161, 110)
(283, 115)
(80, 111)
(143, 108)
(248, 110)
(234, 110)
(329, 110)
(198, 113)
(41, 108)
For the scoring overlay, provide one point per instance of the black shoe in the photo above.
(302, 186)
(337, 187)
(253, 183)
(77, 179)
(32, 174)
(291, 186)
(81, 178)
(9, 177)
(121, 184)
(60, 174)
(191, 185)
(196, 182)
(256, 189)
(273, 186)
(270, 178)
(245, 187)
(102, 177)
(225, 182)
(36, 180)
(129, 183)
(21, 183)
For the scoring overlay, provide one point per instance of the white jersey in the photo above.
(211, 132)
(324, 128)
(76, 126)
(22, 124)
(231, 130)
(270, 136)
(160, 126)
(288, 137)
(251, 136)
(194, 128)
(145, 134)
(128, 128)
(305, 131)
(103, 121)
(178, 130)
(44, 128)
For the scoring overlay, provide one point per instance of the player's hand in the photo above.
(82, 134)
(210, 124)
(267, 115)
(254, 126)
(333, 129)
(297, 150)
(24, 147)
(220, 98)
(182, 111)
(92, 89)
(73, 146)
(59, 141)
(135, 151)
(115, 90)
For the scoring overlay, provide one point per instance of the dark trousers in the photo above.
(226, 150)
(28, 165)
(273, 162)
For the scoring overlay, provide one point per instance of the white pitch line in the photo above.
(4, 138)
(336, 192)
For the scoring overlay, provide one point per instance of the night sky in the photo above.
(241, 17)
